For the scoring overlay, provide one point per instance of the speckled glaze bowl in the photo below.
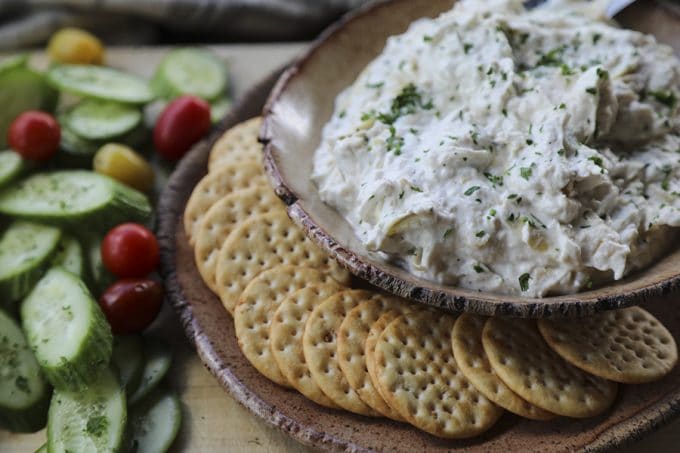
(302, 102)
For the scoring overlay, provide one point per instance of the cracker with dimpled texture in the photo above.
(369, 348)
(319, 343)
(466, 340)
(255, 310)
(222, 218)
(215, 185)
(628, 345)
(237, 145)
(420, 378)
(286, 331)
(351, 349)
(263, 242)
(524, 361)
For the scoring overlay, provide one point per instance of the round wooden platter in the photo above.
(637, 410)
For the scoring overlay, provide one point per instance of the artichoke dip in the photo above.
(518, 152)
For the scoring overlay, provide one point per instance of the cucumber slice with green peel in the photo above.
(100, 83)
(73, 144)
(219, 109)
(99, 278)
(77, 198)
(128, 360)
(69, 255)
(154, 422)
(22, 89)
(15, 61)
(190, 71)
(91, 420)
(157, 357)
(25, 252)
(67, 330)
(11, 166)
(24, 392)
(102, 120)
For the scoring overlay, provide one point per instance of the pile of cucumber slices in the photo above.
(60, 364)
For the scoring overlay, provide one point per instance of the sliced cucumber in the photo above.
(99, 278)
(102, 120)
(69, 255)
(100, 83)
(73, 144)
(22, 89)
(81, 199)
(11, 166)
(219, 109)
(128, 360)
(190, 71)
(25, 251)
(67, 330)
(157, 357)
(91, 420)
(155, 422)
(24, 392)
(15, 61)
(42, 449)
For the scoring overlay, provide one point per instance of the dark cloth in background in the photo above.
(29, 23)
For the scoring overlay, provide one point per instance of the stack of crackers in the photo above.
(301, 324)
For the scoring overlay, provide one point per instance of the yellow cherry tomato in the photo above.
(124, 165)
(75, 46)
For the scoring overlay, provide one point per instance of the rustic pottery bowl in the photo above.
(302, 102)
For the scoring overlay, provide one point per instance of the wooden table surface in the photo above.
(213, 421)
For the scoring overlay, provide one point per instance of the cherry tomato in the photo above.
(130, 251)
(181, 124)
(130, 305)
(35, 135)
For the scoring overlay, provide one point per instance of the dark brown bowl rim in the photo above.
(384, 276)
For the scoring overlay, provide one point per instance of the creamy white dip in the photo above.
(518, 152)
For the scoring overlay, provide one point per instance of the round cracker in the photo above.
(466, 341)
(369, 349)
(255, 310)
(351, 341)
(628, 345)
(419, 377)
(261, 243)
(287, 327)
(222, 218)
(237, 145)
(524, 361)
(216, 185)
(319, 344)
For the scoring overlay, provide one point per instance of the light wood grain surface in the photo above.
(213, 421)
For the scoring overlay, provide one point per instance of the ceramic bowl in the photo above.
(302, 102)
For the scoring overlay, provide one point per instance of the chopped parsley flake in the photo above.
(447, 232)
(480, 233)
(591, 90)
(471, 190)
(525, 172)
(478, 268)
(524, 281)
(466, 47)
(596, 160)
(666, 98)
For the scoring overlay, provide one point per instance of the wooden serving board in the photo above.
(637, 411)
(214, 420)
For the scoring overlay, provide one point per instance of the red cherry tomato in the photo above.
(35, 135)
(181, 124)
(130, 251)
(130, 305)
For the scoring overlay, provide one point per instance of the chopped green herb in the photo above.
(471, 190)
(566, 70)
(427, 38)
(591, 90)
(375, 85)
(552, 58)
(416, 189)
(466, 47)
(479, 269)
(495, 180)
(524, 281)
(561, 152)
(597, 161)
(525, 172)
(596, 37)
(666, 98)
(447, 232)
(480, 233)
(602, 73)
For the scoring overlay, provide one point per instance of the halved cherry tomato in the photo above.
(130, 251)
(35, 135)
(130, 305)
(181, 124)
